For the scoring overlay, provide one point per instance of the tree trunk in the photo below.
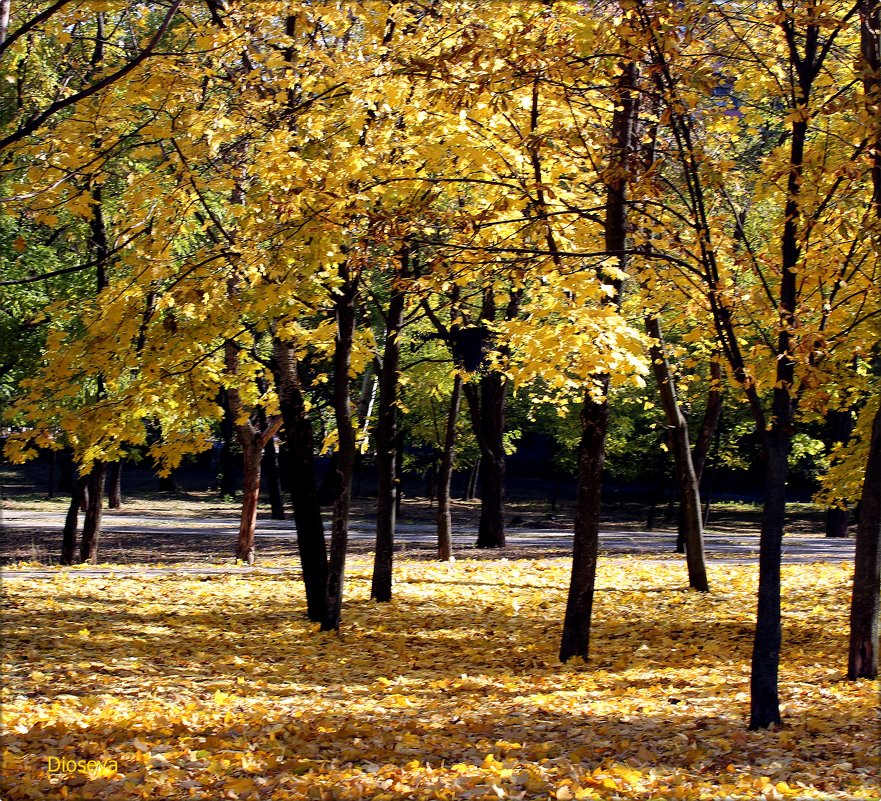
(386, 437)
(252, 456)
(690, 513)
(862, 662)
(114, 485)
(92, 519)
(445, 476)
(591, 456)
(575, 640)
(273, 480)
(300, 471)
(487, 406)
(342, 406)
(471, 484)
(167, 483)
(68, 535)
(839, 424)
(764, 702)
(227, 483)
(863, 652)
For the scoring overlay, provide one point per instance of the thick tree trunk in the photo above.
(114, 485)
(386, 438)
(71, 521)
(862, 662)
(487, 406)
(591, 456)
(342, 405)
(690, 512)
(301, 482)
(272, 480)
(445, 476)
(92, 518)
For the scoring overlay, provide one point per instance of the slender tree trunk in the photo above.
(862, 662)
(445, 476)
(71, 521)
(864, 611)
(342, 405)
(487, 406)
(92, 519)
(53, 462)
(273, 480)
(591, 456)
(300, 471)
(471, 484)
(252, 456)
(4, 19)
(690, 513)
(114, 485)
(575, 640)
(386, 437)
(227, 483)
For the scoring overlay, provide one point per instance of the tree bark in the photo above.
(862, 661)
(591, 456)
(252, 456)
(342, 406)
(71, 521)
(227, 484)
(864, 611)
(575, 639)
(690, 515)
(386, 436)
(486, 403)
(445, 476)
(273, 480)
(301, 481)
(114, 485)
(252, 440)
(92, 518)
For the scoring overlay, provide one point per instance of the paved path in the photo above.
(728, 547)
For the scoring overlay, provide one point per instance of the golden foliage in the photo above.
(210, 688)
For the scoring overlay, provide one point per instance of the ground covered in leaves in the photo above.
(218, 688)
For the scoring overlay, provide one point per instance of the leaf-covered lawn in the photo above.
(219, 688)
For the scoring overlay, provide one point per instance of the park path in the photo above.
(741, 548)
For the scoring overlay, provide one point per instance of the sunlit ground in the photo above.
(219, 688)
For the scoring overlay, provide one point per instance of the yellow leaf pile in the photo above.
(218, 688)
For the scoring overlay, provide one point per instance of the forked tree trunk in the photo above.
(92, 518)
(252, 440)
(387, 437)
(342, 406)
(445, 476)
(690, 515)
(71, 521)
(862, 661)
(299, 465)
(591, 456)
(114, 485)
